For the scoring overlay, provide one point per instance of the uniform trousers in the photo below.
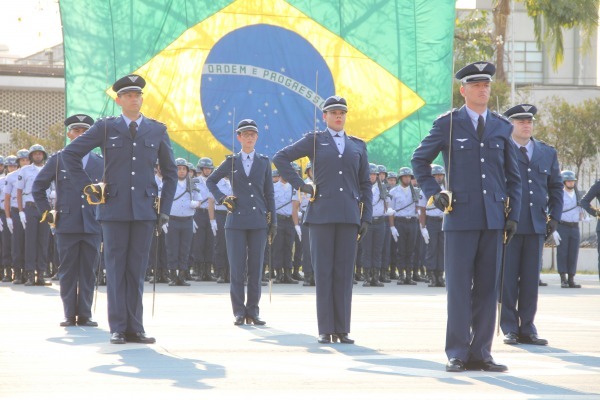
(159, 263)
(179, 240)
(434, 254)
(220, 248)
(521, 281)
(407, 239)
(283, 242)
(297, 259)
(306, 262)
(202, 243)
(372, 244)
(568, 250)
(79, 255)
(245, 250)
(18, 240)
(37, 237)
(472, 260)
(6, 243)
(126, 252)
(387, 243)
(333, 254)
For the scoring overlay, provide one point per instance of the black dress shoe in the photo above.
(324, 338)
(489, 366)
(68, 322)
(532, 339)
(540, 283)
(86, 322)
(117, 338)
(255, 321)
(342, 337)
(239, 320)
(139, 337)
(511, 338)
(455, 365)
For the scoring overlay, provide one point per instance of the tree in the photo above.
(52, 142)
(574, 130)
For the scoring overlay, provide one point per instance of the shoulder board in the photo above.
(263, 156)
(153, 120)
(228, 156)
(454, 110)
(356, 139)
(545, 144)
(501, 117)
(108, 117)
(311, 133)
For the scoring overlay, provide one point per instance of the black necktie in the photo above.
(524, 151)
(480, 127)
(133, 128)
(337, 135)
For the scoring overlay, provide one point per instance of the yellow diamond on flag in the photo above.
(377, 100)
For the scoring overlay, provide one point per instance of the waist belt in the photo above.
(378, 220)
(176, 218)
(281, 216)
(202, 209)
(570, 224)
(435, 218)
(30, 204)
(406, 219)
(224, 212)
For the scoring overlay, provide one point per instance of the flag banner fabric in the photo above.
(210, 64)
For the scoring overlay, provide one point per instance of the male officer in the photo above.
(593, 193)
(430, 220)
(282, 245)
(37, 234)
(567, 234)
(10, 163)
(482, 172)
(131, 143)
(179, 229)
(373, 240)
(388, 260)
(404, 224)
(343, 190)
(541, 188)
(157, 261)
(250, 220)
(14, 219)
(219, 212)
(203, 242)
(297, 258)
(78, 234)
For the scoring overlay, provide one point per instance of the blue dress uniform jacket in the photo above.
(75, 215)
(342, 181)
(542, 193)
(131, 187)
(592, 193)
(482, 174)
(246, 226)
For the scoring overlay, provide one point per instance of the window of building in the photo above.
(528, 62)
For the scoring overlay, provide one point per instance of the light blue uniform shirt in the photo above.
(284, 194)
(402, 202)
(340, 141)
(571, 211)
(247, 160)
(183, 197)
(475, 117)
(378, 203)
(25, 180)
(225, 187)
(10, 187)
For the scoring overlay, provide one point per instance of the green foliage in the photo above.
(472, 39)
(52, 142)
(499, 99)
(550, 17)
(573, 129)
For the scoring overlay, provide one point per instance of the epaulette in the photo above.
(311, 133)
(153, 120)
(502, 117)
(447, 113)
(108, 117)
(545, 144)
(263, 156)
(357, 139)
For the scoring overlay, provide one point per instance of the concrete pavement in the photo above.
(399, 351)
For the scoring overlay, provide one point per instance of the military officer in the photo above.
(250, 221)
(179, 229)
(297, 259)
(157, 260)
(14, 218)
(203, 242)
(78, 234)
(541, 207)
(10, 164)
(340, 169)
(309, 276)
(567, 234)
(131, 143)
(373, 240)
(404, 224)
(388, 260)
(592, 193)
(37, 234)
(430, 221)
(284, 241)
(482, 172)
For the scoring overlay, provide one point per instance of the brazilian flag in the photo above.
(209, 64)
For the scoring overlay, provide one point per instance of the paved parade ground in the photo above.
(200, 354)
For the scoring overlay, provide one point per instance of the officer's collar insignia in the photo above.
(480, 66)
(526, 108)
(132, 78)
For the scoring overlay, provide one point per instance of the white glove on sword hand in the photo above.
(394, 233)
(556, 238)
(298, 231)
(425, 234)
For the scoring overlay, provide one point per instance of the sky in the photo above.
(29, 26)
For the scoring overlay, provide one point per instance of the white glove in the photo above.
(1, 226)
(194, 204)
(9, 223)
(23, 218)
(556, 238)
(425, 234)
(394, 233)
(194, 226)
(213, 226)
(298, 231)
(165, 228)
(390, 211)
